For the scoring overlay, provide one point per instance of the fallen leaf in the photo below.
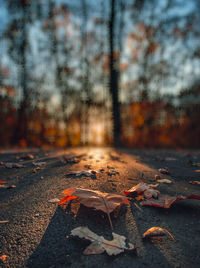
(194, 182)
(54, 200)
(156, 231)
(84, 173)
(7, 186)
(3, 257)
(164, 171)
(11, 186)
(164, 181)
(71, 160)
(105, 202)
(142, 188)
(165, 201)
(13, 165)
(87, 166)
(27, 157)
(100, 244)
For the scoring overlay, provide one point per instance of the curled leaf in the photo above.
(142, 188)
(100, 244)
(165, 201)
(156, 231)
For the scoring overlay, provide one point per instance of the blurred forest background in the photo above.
(100, 72)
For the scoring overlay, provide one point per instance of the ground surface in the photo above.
(35, 235)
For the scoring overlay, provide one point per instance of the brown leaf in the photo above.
(156, 231)
(142, 188)
(100, 244)
(165, 201)
(105, 202)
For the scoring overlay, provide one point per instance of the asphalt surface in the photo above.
(38, 232)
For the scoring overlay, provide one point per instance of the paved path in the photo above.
(35, 235)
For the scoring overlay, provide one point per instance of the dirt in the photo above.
(35, 235)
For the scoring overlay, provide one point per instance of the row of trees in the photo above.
(83, 72)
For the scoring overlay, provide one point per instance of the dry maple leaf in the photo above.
(165, 201)
(105, 202)
(156, 231)
(142, 188)
(100, 244)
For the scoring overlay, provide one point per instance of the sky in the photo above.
(183, 8)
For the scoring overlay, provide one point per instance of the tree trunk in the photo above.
(113, 83)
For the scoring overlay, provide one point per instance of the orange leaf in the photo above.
(67, 199)
(105, 202)
(139, 197)
(156, 231)
(3, 257)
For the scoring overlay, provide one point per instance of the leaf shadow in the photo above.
(58, 249)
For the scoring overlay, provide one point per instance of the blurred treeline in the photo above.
(100, 72)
